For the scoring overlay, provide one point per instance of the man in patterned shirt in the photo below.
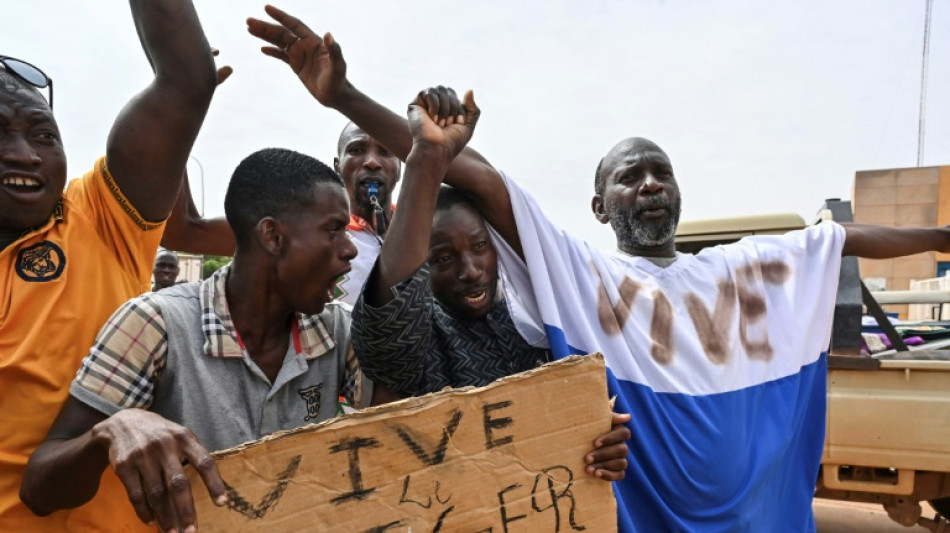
(258, 347)
(445, 323)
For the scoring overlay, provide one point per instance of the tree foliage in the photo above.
(212, 263)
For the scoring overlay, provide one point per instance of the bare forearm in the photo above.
(153, 135)
(187, 231)
(375, 119)
(63, 474)
(882, 242)
(212, 236)
(174, 43)
(407, 241)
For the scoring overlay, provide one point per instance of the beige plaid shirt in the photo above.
(126, 361)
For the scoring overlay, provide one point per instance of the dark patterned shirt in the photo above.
(414, 345)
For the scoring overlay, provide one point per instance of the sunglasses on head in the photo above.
(28, 73)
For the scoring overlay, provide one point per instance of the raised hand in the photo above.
(146, 451)
(318, 62)
(438, 119)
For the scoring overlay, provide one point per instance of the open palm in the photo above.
(317, 61)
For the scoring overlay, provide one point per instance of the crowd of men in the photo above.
(108, 386)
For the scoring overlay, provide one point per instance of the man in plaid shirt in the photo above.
(258, 347)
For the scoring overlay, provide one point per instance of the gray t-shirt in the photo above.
(190, 369)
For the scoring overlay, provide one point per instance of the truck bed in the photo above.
(892, 413)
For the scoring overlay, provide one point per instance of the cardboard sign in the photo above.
(504, 458)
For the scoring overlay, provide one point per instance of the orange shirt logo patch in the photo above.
(44, 261)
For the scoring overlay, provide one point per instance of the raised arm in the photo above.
(153, 135)
(319, 64)
(883, 242)
(187, 231)
(435, 143)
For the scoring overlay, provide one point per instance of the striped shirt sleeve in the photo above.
(352, 387)
(126, 361)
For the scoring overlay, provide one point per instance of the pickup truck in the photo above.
(887, 438)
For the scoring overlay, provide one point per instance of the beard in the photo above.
(632, 232)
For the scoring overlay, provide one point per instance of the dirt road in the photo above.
(846, 517)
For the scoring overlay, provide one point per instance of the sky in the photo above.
(763, 107)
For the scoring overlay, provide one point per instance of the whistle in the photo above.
(379, 218)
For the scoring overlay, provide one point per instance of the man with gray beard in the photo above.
(643, 201)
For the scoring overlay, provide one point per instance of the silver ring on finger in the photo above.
(288, 45)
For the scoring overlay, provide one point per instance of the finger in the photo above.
(617, 435)
(607, 453)
(276, 53)
(445, 103)
(432, 103)
(619, 418)
(420, 101)
(609, 470)
(472, 113)
(292, 23)
(333, 48)
(274, 34)
(179, 492)
(132, 481)
(618, 432)
(455, 106)
(224, 73)
(416, 110)
(156, 494)
(204, 463)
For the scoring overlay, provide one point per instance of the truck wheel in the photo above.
(942, 506)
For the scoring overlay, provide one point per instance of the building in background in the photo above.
(189, 267)
(918, 196)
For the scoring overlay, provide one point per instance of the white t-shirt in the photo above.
(368, 246)
(718, 357)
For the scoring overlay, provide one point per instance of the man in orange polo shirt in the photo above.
(69, 259)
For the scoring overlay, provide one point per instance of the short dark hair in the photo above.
(269, 183)
(10, 83)
(449, 198)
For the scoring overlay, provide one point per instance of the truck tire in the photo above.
(942, 506)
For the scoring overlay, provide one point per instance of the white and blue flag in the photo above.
(719, 358)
